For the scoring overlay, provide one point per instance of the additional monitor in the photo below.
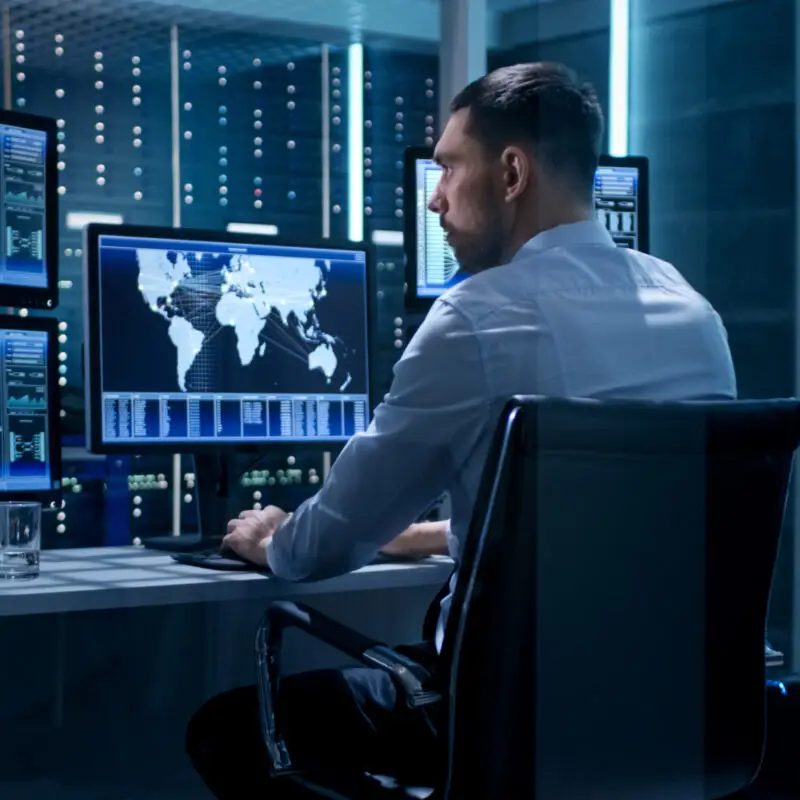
(621, 204)
(198, 339)
(28, 211)
(621, 200)
(30, 451)
(431, 266)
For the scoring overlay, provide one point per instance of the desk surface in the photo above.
(91, 579)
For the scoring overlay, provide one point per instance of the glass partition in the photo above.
(712, 104)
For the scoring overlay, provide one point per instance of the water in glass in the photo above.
(20, 540)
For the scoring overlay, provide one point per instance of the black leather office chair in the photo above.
(607, 634)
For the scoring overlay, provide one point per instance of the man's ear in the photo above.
(516, 172)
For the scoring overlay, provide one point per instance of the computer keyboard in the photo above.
(228, 561)
(212, 558)
(187, 543)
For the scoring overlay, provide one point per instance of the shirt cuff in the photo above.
(270, 549)
(273, 554)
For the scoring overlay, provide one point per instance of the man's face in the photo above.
(469, 198)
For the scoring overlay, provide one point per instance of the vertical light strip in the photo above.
(326, 142)
(355, 142)
(175, 112)
(619, 77)
(7, 67)
(326, 182)
(6, 57)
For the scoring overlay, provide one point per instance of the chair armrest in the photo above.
(409, 676)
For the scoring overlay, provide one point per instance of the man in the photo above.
(552, 307)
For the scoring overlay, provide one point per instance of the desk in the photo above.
(110, 650)
(95, 579)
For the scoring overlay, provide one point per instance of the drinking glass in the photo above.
(20, 540)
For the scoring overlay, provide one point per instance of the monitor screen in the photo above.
(437, 268)
(620, 200)
(29, 447)
(431, 267)
(198, 339)
(28, 211)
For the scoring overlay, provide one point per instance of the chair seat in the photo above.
(363, 787)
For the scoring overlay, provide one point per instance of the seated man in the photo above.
(551, 307)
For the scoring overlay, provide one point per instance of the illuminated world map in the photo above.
(199, 294)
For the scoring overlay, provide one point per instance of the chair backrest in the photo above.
(606, 640)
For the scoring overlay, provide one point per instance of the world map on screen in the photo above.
(199, 294)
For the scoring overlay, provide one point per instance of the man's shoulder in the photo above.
(445, 318)
(531, 279)
(482, 293)
(658, 269)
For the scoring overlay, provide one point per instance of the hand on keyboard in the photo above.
(249, 533)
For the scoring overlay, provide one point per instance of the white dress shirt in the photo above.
(571, 315)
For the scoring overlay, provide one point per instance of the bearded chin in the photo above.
(486, 245)
(483, 252)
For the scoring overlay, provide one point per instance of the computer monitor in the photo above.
(431, 266)
(621, 200)
(211, 343)
(30, 450)
(28, 211)
(621, 203)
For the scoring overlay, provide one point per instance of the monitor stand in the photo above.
(212, 482)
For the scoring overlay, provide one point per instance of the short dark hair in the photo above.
(544, 105)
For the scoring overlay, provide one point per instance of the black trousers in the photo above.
(340, 721)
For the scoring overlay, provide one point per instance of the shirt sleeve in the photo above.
(423, 431)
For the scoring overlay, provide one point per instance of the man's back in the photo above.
(574, 316)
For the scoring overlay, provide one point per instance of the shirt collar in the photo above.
(574, 233)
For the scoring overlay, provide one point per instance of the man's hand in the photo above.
(248, 535)
(420, 540)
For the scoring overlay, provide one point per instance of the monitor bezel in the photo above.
(48, 325)
(27, 296)
(413, 302)
(93, 390)
(642, 163)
